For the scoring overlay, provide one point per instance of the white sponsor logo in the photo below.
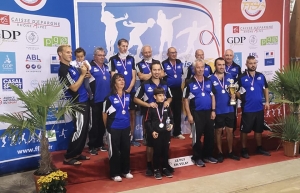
(73, 72)
(116, 100)
(150, 89)
(253, 9)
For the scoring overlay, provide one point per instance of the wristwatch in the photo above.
(213, 110)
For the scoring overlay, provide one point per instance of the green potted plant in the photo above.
(286, 88)
(288, 130)
(47, 98)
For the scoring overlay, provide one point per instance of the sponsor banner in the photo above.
(29, 35)
(30, 46)
(256, 29)
(28, 145)
(261, 40)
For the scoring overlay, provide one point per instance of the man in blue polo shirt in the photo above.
(253, 86)
(73, 81)
(230, 66)
(124, 64)
(143, 67)
(199, 102)
(224, 111)
(100, 88)
(173, 68)
(145, 92)
(199, 54)
(235, 71)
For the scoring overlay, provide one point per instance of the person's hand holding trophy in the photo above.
(232, 89)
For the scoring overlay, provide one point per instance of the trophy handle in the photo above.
(236, 87)
(227, 88)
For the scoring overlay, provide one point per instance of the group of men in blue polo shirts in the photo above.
(206, 99)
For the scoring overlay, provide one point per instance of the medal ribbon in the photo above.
(162, 114)
(123, 105)
(228, 67)
(148, 66)
(124, 65)
(201, 87)
(220, 82)
(252, 78)
(102, 70)
(174, 68)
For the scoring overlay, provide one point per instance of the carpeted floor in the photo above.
(188, 172)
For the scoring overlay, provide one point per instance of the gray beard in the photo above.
(149, 60)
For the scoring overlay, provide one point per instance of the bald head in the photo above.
(228, 55)
(230, 51)
(146, 47)
(199, 54)
(172, 53)
(147, 52)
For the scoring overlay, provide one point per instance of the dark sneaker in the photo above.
(234, 157)
(93, 151)
(157, 175)
(220, 158)
(210, 160)
(244, 153)
(149, 172)
(103, 148)
(167, 173)
(260, 150)
(199, 163)
(135, 143)
(170, 169)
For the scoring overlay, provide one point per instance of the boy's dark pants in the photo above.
(161, 149)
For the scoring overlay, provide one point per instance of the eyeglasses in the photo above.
(101, 55)
(173, 52)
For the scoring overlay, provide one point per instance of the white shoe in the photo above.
(191, 135)
(128, 176)
(180, 137)
(117, 179)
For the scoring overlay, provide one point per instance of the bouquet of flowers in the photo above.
(53, 182)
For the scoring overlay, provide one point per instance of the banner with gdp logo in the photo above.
(259, 28)
(30, 32)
